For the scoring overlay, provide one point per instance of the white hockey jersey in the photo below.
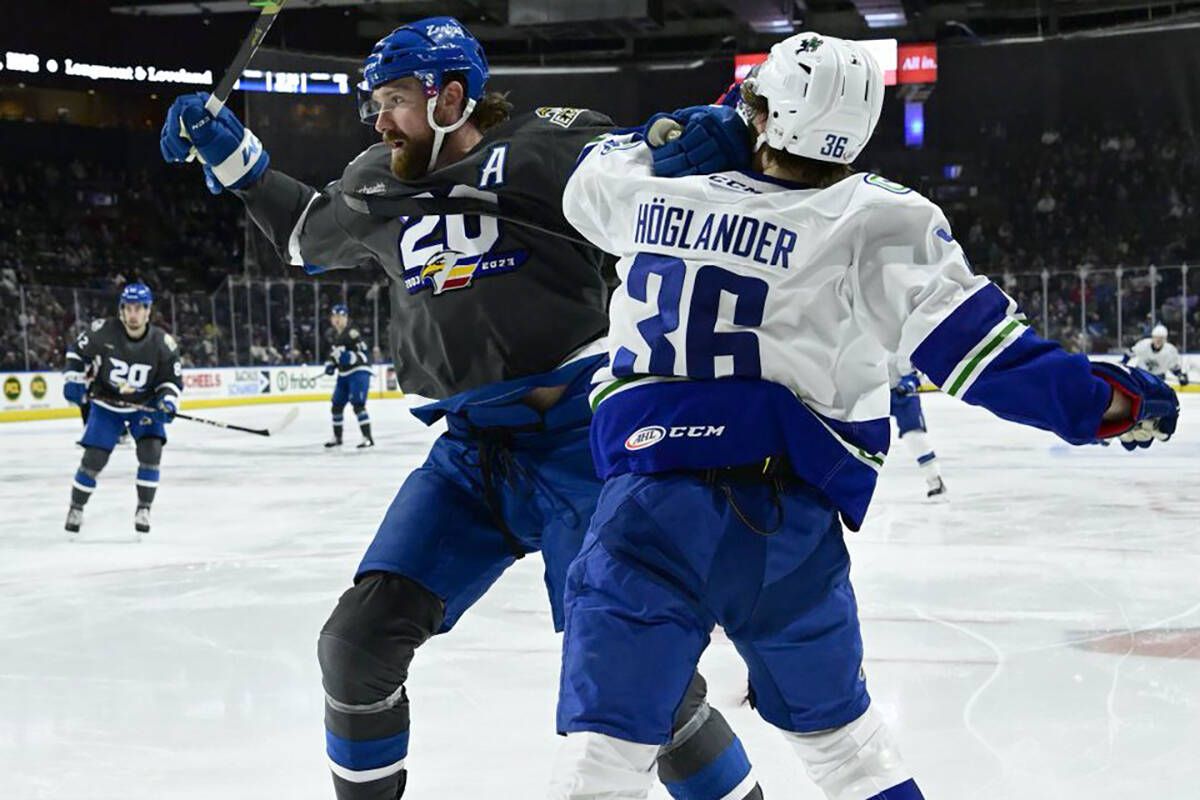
(1157, 362)
(755, 318)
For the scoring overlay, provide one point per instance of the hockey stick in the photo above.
(215, 423)
(267, 11)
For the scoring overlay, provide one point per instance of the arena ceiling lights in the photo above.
(252, 80)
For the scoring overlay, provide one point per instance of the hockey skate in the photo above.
(365, 443)
(74, 520)
(937, 491)
(336, 442)
(141, 520)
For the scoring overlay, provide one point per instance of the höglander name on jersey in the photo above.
(662, 225)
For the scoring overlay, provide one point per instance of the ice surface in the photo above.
(1037, 637)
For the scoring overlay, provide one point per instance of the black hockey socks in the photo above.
(704, 758)
(337, 427)
(365, 650)
(360, 411)
(90, 465)
(149, 453)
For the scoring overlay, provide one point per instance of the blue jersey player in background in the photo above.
(136, 383)
(910, 423)
(350, 359)
(743, 419)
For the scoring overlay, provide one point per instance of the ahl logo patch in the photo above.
(653, 434)
(645, 437)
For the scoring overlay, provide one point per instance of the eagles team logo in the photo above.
(443, 271)
(452, 269)
(451, 252)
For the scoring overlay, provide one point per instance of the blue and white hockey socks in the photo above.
(858, 761)
(920, 448)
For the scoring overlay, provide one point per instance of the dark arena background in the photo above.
(1036, 637)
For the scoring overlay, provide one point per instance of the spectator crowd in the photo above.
(1069, 222)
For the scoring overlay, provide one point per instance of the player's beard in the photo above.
(411, 161)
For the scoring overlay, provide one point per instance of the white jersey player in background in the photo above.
(1157, 356)
(910, 423)
(744, 418)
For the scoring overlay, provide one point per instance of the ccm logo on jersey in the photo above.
(653, 434)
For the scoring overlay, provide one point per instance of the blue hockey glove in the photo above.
(165, 409)
(313, 269)
(330, 368)
(75, 392)
(346, 358)
(1183, 377)
(1155, 405)
(909, 384)
(233, 157)
(730, 96)
(713, 139)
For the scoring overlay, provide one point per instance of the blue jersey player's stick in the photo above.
(216, 423)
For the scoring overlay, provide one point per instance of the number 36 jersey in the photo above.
(125, 371)
(755, 318)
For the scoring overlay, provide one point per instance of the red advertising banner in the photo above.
(917, 63)
(884, 51)
(744, 62)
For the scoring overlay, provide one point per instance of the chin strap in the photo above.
(440, 131)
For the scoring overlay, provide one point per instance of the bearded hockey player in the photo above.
(498, 313)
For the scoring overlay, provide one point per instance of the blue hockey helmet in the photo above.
(339, 308)
(136, 293)
(426, 50)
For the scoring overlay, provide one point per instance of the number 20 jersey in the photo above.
(755, 318)
(125, 371)
(476, 297)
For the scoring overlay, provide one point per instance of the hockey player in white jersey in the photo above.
(910, 423)
(1157, 356)
(744, 418)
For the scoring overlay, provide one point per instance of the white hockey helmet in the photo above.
(824, 96)
(1159, 332)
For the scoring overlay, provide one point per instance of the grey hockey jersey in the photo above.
(125, 371)
(489, 282)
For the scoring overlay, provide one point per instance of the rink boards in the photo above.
(39, 395)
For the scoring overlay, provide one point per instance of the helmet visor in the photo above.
(368, 106)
